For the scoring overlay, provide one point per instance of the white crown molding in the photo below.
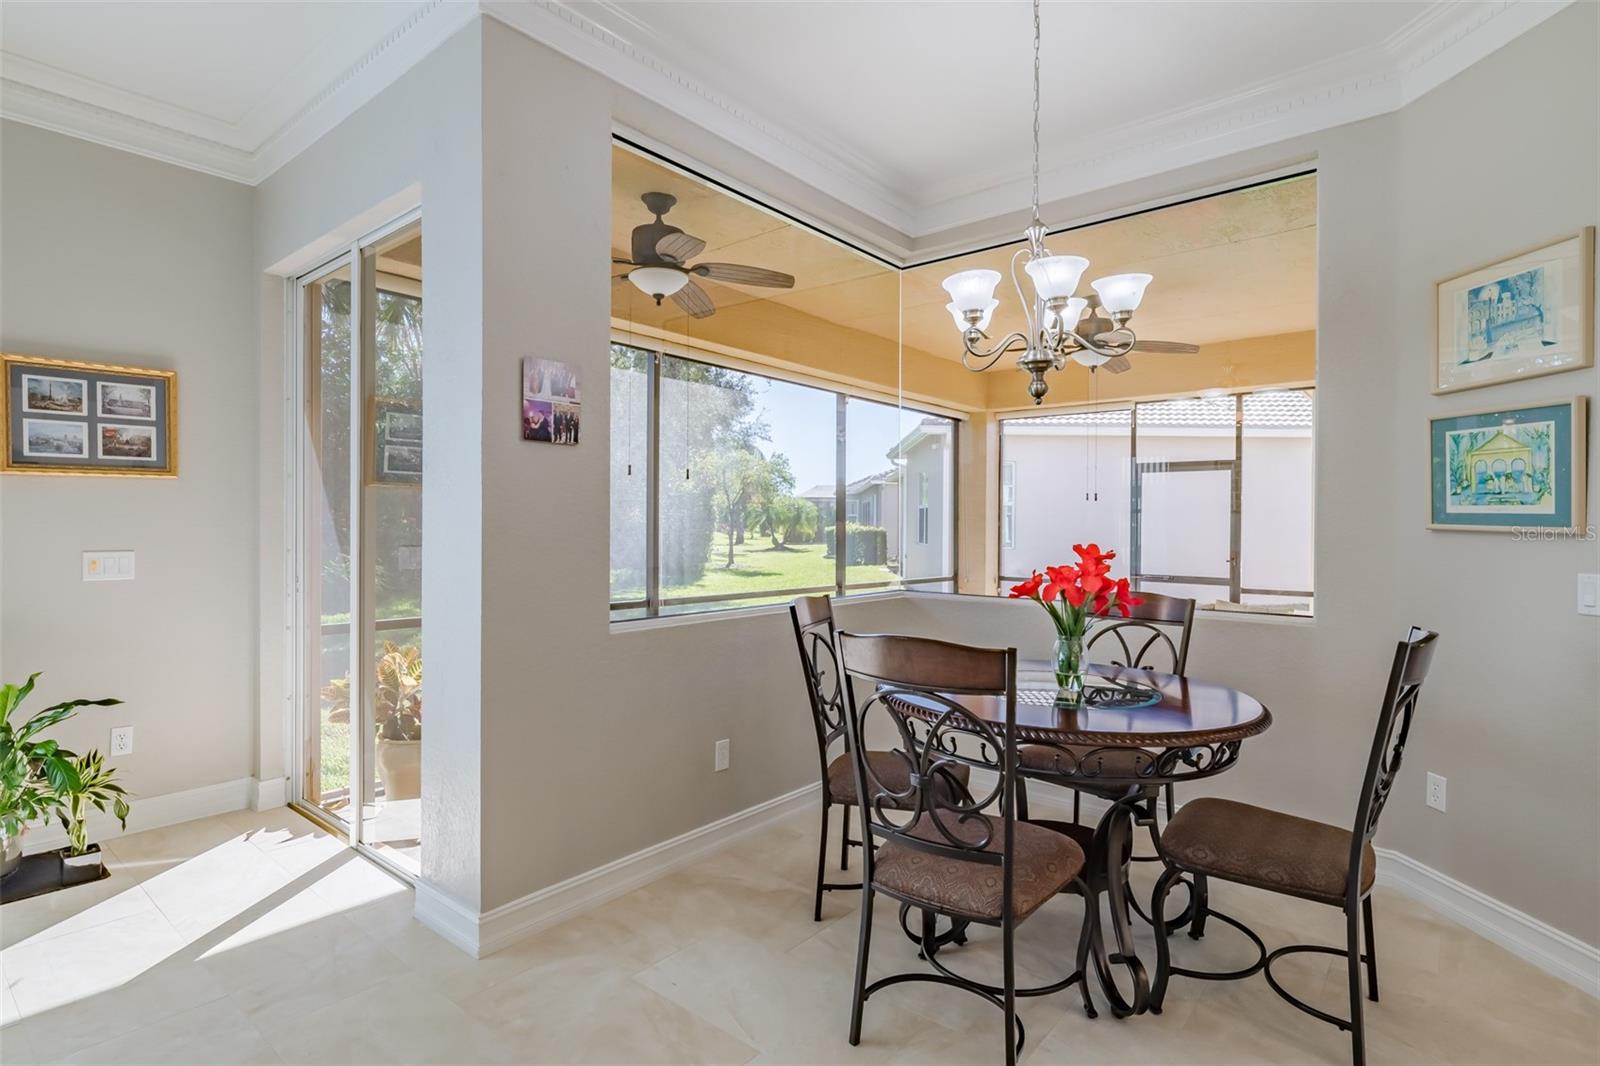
(1444, 40)
(247, 150)
(619, 53)
(1441, 42)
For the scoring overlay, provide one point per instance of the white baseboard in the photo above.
(1559, 954)
(483, 934)
(273, 792)
(152, 812)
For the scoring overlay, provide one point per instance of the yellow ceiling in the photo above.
(1226, 267)
(1239, 265)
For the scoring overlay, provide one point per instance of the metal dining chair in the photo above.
(1296, 856)
(945, 852)
(1154, 637)
(815, 637)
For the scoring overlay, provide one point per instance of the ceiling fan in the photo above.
(660, 263)
(1097, 325)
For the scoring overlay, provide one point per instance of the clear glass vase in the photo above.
(1069, 669)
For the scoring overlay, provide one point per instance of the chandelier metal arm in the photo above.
(1011, 342)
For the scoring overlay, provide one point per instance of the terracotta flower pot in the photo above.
(400, 768)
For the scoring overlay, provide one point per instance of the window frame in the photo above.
(652, 602)
(1008, 503)
(1233, 583)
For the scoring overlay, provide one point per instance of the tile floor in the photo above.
(257, 938)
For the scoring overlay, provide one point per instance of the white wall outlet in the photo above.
(1436, 792)
(122, 740)
(721, 758)
(108, 566)
(1589, 594)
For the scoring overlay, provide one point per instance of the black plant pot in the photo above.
(77, 869)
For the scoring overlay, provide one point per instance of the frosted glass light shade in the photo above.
(1073, 312)
(972, 290)
(961, 319)
(657, 281)
(1056, 275)
(1121, 292)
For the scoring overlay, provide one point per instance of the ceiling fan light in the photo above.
(961, 318)
(972, 290)
(1121, 292)
(1056, 275)
(657, 281)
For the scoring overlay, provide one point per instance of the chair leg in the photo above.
(863, 946)
(1372, 950)
(822, 861)
(844, 840)
(1022, 799)
(1197, 927)
(1009, 979)
(1352, 940)
(1171, 804)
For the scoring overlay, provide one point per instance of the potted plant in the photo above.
(40, 778)
(1074, 597)
(396, 715)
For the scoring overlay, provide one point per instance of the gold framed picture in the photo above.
(1522, 317)
(67, 417)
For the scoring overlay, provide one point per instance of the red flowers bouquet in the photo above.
(1074, 596)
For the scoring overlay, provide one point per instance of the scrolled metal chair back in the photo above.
(1144, 640)
(819, 658)
(911, 681)
(1412, 657)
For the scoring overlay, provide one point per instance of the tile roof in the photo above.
(1262, 410)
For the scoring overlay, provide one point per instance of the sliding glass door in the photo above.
(359, 546)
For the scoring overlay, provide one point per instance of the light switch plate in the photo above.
(720, 759)
(1589, 594)
(108, 566)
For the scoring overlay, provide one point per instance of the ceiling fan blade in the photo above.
(1116, 364)
(693, 299)
(744, 275)
(679, 247)
(1169, 347)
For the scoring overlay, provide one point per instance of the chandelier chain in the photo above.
(1035, 110)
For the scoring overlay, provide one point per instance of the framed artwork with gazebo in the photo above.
(1518, 470)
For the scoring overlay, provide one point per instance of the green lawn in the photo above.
(758, 566)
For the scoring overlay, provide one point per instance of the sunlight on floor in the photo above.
(259, 938)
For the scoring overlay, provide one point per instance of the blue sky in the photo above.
(802, 422)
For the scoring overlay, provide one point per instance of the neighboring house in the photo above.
(869, 501)
(1066, 479)
(922, 542)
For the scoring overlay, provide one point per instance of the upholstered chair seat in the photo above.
(893, 771)
(1265, 849)
(1043, 863)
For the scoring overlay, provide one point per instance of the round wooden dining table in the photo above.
(1169, 729)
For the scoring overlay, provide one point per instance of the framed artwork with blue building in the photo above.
(1511, 470)
(1522, 317)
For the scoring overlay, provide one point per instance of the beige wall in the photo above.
(110, 257)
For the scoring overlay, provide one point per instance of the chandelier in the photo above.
(1058, 330)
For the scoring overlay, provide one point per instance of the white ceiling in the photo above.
(916, 113)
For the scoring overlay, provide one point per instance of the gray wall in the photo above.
(1510, 712)
(110, 257)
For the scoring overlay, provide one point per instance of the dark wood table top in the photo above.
(1191, 712)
